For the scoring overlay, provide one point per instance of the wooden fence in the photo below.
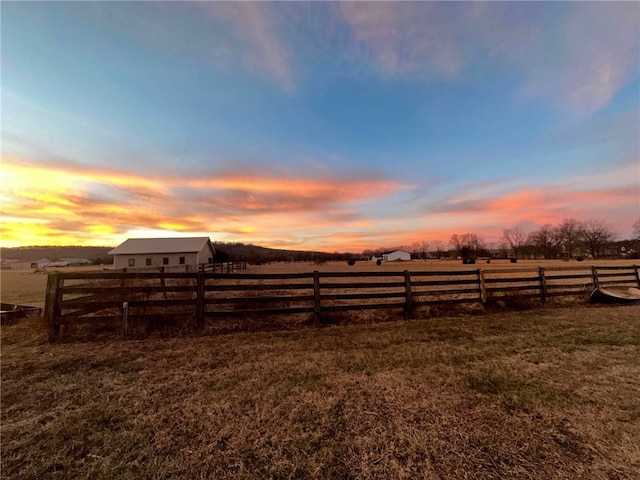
(224, 267)
(227, 267)
(129, 297)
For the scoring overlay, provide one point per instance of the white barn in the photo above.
(396, 255)
(185, 253)
(27, 264)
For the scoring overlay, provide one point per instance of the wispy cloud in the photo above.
(588, 59)
(405, 36)
(256, 28)
(579, 55)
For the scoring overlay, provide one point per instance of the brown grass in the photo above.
(547, 393)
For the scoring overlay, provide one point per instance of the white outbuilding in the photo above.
(396, 255)
(181, 253)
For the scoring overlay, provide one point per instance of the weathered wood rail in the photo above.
(228, 267)
(96, 297)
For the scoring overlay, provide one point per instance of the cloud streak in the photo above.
(255, 27)
(581, 54)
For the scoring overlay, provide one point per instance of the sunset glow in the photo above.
(358, 126)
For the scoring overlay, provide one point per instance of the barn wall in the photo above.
(204, 255)
(122, 261)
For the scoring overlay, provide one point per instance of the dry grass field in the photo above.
(25, 287)
(545, 393)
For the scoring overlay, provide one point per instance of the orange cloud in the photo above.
(79, 204)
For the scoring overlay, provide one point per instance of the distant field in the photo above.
(421, 265)
(546, 393)
(26, 287)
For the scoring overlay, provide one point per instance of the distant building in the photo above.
(396, 255)
(185, 253)
(10, 263)
(75, 261)
(28, 264)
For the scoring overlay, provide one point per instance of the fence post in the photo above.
(125, 319)
(316, 297)
(483, 290)
(200, 299)
(52, 305)
(635, 269)
(408, 304)
(594, 274)
(543, 285)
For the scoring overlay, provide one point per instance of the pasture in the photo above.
(544, 393)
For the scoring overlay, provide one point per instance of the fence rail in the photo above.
(92, 297)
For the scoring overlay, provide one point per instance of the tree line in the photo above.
(569, 239)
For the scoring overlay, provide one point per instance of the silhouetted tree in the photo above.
(515, 239)
(597, 234)
(467, 245)
(545, 241)
(570, 233)
(438, 247)
(456, 243)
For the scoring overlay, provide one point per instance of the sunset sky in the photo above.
(324, 126)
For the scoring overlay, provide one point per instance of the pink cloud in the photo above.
(594, 55)
(256, 27)
(404, 36)
(580, 56)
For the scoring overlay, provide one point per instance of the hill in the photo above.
(52, 252)
(225, 252)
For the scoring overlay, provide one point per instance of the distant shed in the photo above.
(27, 264)
(182, 253)
(396, 255)
(75, 261)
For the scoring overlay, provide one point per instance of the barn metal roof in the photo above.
(138, 246)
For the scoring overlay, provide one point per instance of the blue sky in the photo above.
(334, 126)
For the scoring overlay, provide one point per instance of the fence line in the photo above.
(81, 297)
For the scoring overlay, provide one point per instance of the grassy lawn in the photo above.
(546, 393)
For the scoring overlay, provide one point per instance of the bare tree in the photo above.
(438, 247)
(474, 242)
(571, 234)
(456, 243)
(636, 229)
(467, 245)
(597, 234)
(420, 249)
(515, 239)
(545, 241)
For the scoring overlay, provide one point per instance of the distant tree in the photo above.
(597, 234)
(545, 241)
(456, 243)
(636, 230)
(515, 239)
(467, 245)
(570, 233)
(415, 249)
(438, 247)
